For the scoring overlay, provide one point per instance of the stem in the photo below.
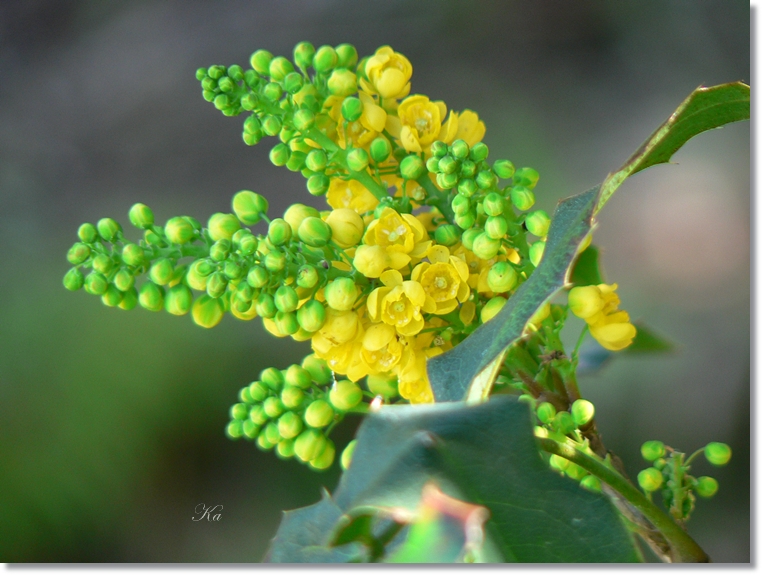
(372, 185)
(575, 353)
(684, 548)
(436, 198)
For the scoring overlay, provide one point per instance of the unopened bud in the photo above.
(314, 232)
(87, 233)
(504, 169)
(207, 311)
(546, 412)
(325, 459)
(311, 316)
(178, 300)
(538, 223)
(492, 308)
(650, 479)
(141, 216)
(502, 277)
(345, 395)
(346, 455)
(292, 397)
(522, 198)
(485, 247)
(319, 414)
(706, 486)
(178, 231)
(652, 450)
(717, 453)
(78, 253)
(583, 412)
(108, 229)
(249, 207)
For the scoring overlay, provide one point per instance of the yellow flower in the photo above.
(362, 132)
(388, 74)
(599, 307)
(444, 279)
(371, 261)
(340, 326)
(585, 301)
(401, 235)
(350, 194)
(418, 122)
(470, 128)
(347, 227)
(614, 331)
(381, 348)
(399, 303)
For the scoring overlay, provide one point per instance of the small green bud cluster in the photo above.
(294, 410)
(669, 475)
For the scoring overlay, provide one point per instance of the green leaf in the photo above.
(646, 340)
(704, 109)
(303, 536)
(586, 270)
(485, 455)
(452, 373)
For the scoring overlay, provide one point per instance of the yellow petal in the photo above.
(449, 128)
(418, 271)
(444, 307)
(409, 139)
(414, 292)
(420, 249)
(412, 328)
(391, 278)
(378, 336)
(393, 125)
(440, 254)
(467, 312)
(398, 260)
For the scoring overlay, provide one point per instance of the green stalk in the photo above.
(684, 548)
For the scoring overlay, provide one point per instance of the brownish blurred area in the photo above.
(112, 423)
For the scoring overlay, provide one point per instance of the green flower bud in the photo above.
(95, 283)
(129, 299)
(469, 236)
(234, 429)
(526, 177)
(652, 450)
(226, 84)
(432, 165)
(380, 149)
(235, 72)
(303, 54)
(239, 411)
(222, 102)
(316, 160)
(591, 483)
(439, 149)
(133, 255)
(325, 459)
(279, 68)
(503, 168)
(448, 165)
(297, 376)
(103, 263)
(263, 443)
(286, 298)
(304, 120)
(346, 455)
(479, 152)
(563, 422)
(73, 280)
(706, 486)
(345, 395)
(493, 204)
(250, 429)
(538, 223)
(583, 412)
(496, 227)
(87, 233)
(447, 181)
(275, 261)
(492, 308)
(311, 316)
(650, 479)
(265, 306)
(461, 204)
(716, 453)
(108, 229)
(271, 433)
(447, 235)
(272, 378)
(467, 188)
(198, 274)
(260, 61)
(522, 198)
(257, 277)
(459, 149)
(546, 412)
(412, 167)
(558, 463)
(485, 247)
(286, 322)
(232, 271)
(384, 385)
(357, 160)
(293, 82)
(112, 297)
(179, 231)
(289, 425)
(660, 463)
(502, 277)
(314, 232)
(216, 72)
(207, 311)
(318, 414)
(341, 294)
(342, 82)
(318, 184)
(249, 207)
(292, 397)
(280, 154)
(258, 391)
(151, 296)
(285, 449)
(347, 55)
(273, 407)
(179, 300)
(325, 59)
(223, 226)
(468, 171)
(216, 284)
(310, 444)
(317, 369)
(307, 276)
(258, 415)
(279, 232)
(141, 216)
(486, 179)
(465, 221)
(161, 271)
(351, 108)
(535, 253)
(296, 213)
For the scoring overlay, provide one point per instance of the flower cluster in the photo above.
(599, 307)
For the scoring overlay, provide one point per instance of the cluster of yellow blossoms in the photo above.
(599, 307)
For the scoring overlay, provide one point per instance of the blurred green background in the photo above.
(111, 423)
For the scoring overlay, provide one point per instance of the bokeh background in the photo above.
(111, 423)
